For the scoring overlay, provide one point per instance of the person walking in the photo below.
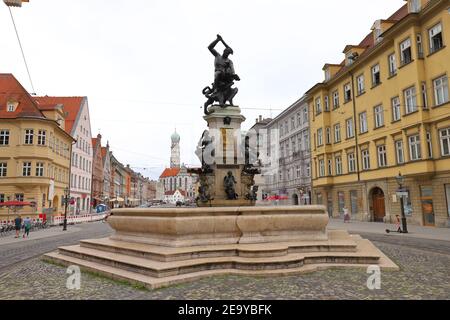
(17, 225)
(346, 215)
(27, 227)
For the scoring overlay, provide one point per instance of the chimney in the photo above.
(260, 118)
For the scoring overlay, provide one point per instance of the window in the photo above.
(26, 169)
(306, 140)
(3, 169)
(445, 141)
(318, 106)
(440, 90)
(363, 122)
(335, 99)
(299, 173)
(414, 148)
(10, 107)
(337, 133)
(365, 159)
(395, 102)
(39, 169)
(338, 160)
(410, 100)
(328, 135)
(436, 42)
(399, 152)
(347, 92)
(292, 125)
(308, 169)
(379, 116)
(405, 52)
(419, 45)
(392, 65)
(330, 167)
(361, 84)
(327, 75)
(321, 168)
(424, 95)
(382, 158)
(41, 137)
(299, 119)
(29, 136)
(2, 197)
(19, 197)
(349, 126)
(430, 146)
(320, 137)
(327, 103)
(351, 162)
(376, 78)
(4, 137)
(305, 115)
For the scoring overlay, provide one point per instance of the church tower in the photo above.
(175, 150)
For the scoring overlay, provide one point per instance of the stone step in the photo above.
(166, 254)
(160, 269)
(155, 283)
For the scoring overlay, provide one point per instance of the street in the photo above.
(424, 274)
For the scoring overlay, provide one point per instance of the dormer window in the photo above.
(11, 106)
(414, 6)
(327, 75)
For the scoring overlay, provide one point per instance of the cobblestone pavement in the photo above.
(425, 274)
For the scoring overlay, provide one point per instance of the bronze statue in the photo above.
(224, 77)
(229, 183)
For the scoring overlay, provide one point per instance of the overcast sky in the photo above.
(143, 63)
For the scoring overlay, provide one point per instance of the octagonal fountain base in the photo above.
(161, 247)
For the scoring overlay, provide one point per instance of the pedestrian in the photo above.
(346, 215)
(18, 225)
(27, 225)
(397, 224)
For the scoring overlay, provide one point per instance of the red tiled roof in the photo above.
(71, 106)
(368, 42)
(11, 89)
(170, 172)
(171, 193)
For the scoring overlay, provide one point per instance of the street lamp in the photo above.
(400, 180)
(66, 202)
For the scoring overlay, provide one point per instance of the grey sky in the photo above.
(143, 63)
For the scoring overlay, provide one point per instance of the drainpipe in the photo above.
(355, 126)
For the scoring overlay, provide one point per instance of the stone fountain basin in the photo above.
(181, 227)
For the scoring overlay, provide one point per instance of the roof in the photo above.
(170, 172)
(72, 106)
(171, 193)
(12, 90)
(94, 142)
(368, 42)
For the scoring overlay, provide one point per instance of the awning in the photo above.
(118, 199)
(15, 204)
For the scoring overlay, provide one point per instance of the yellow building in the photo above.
(34, 152)
(386, 110)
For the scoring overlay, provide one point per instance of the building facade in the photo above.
(78, 125)
(287, 169)
(97, 172)
(34, 151)
(106, 165)
(384, 111)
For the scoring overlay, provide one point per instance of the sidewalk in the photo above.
(39, 234)
(380, 228)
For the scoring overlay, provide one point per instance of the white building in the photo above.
(173, 197)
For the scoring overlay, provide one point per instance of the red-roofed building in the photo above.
(78, 125)
(175, 196)
(176, 177)
(34, 151)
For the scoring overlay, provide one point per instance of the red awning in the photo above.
(15, 204)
